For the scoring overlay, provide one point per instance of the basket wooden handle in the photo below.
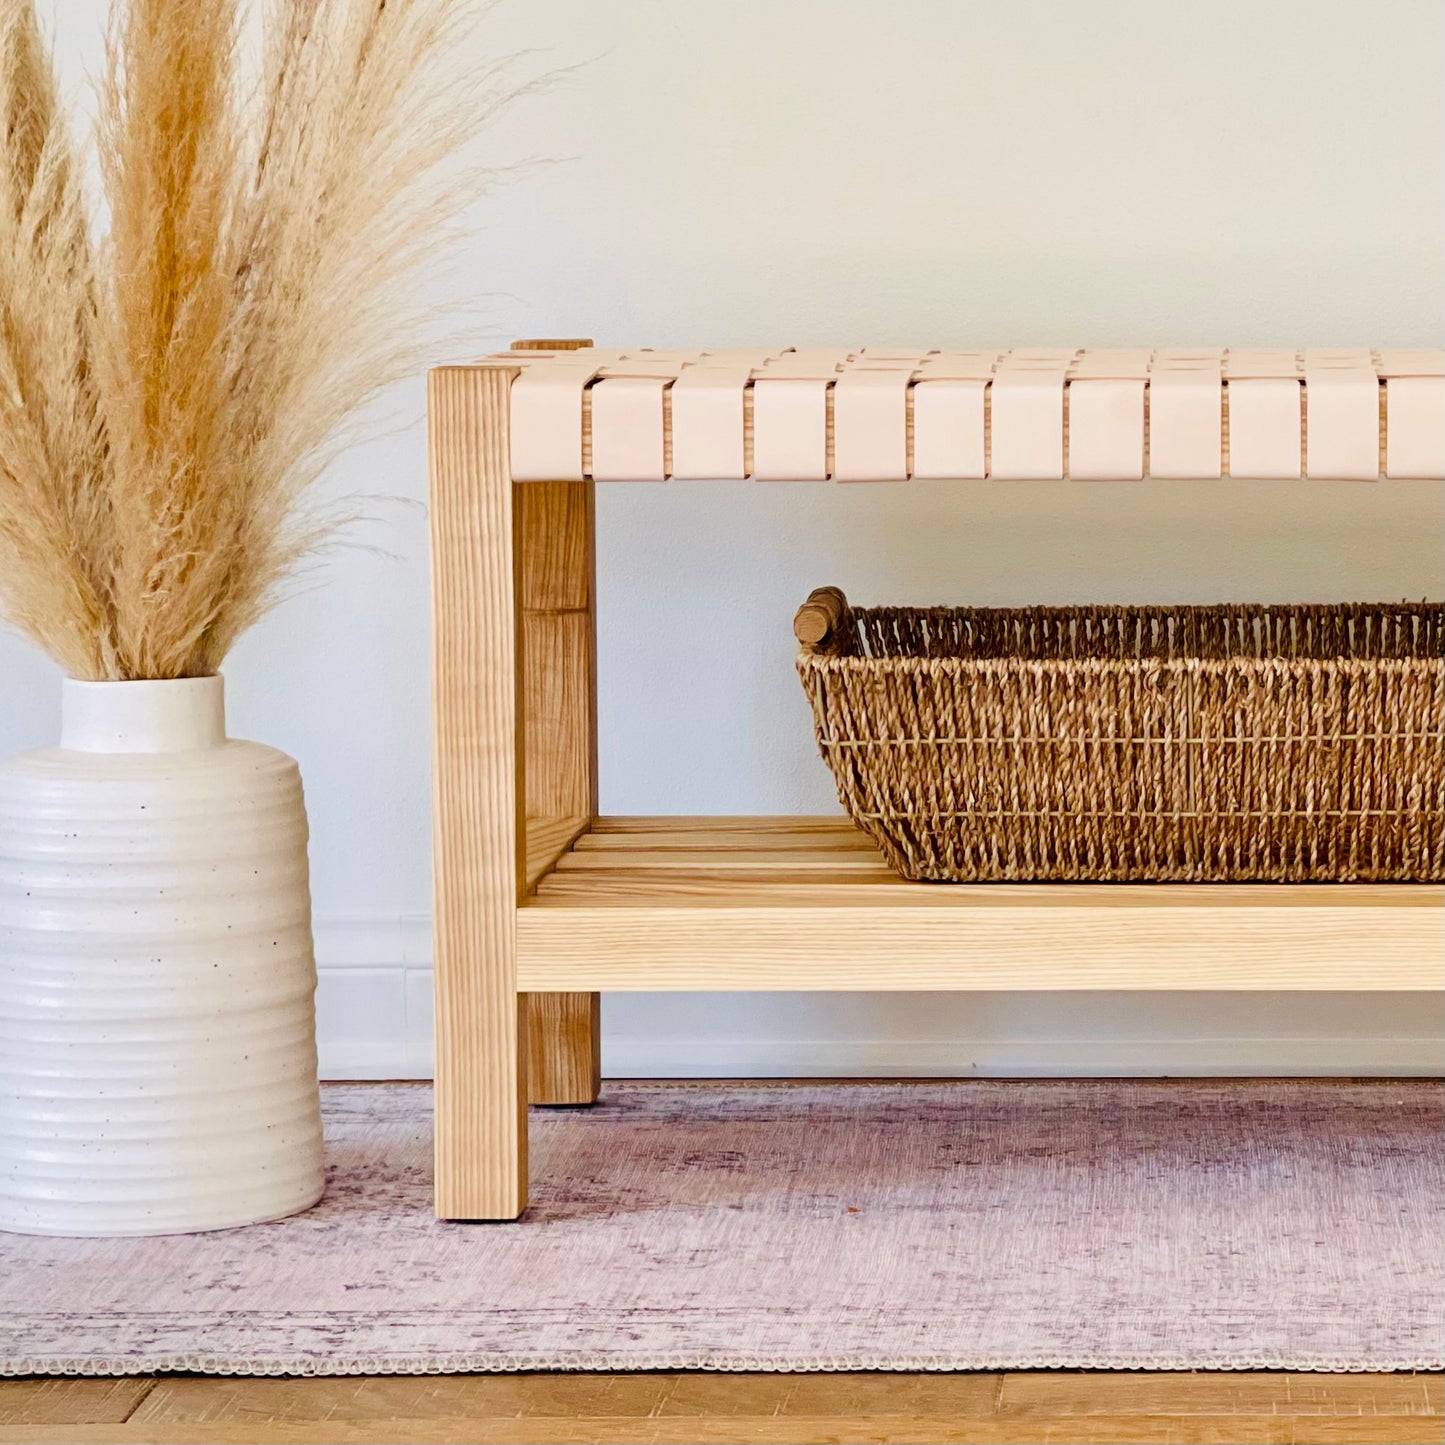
(821, 615)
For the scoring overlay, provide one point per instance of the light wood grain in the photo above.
(786, 886)
(70, 1402)
(788, 883)
(560, 712)
(727, 860)
(557, 586)
(1039, 1394)
(942, 1429)
(477, 834)
(807, 903)
(1071, 1393)
(556, 560)
(1125, 1406)
(703, 861)
(867, 947)
(564, 1042)
(823, 835)
(779, 1430)
(548, 840)
(557, 543)
(758, 825)
(559, 649)
(407, 1397)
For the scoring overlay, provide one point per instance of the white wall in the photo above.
(894, 171)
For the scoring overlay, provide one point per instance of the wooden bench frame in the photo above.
(539, 903)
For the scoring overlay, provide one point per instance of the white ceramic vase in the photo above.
(157, 980)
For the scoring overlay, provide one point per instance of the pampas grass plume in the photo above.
(169, 393)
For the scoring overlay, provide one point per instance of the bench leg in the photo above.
(564, 1047)
(556, 535)
(477, 833)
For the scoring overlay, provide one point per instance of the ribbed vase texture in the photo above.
(157, 980)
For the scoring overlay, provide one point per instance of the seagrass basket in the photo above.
(1198, 744)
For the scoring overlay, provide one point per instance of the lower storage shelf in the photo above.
(808, 903)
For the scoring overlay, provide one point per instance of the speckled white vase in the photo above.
(157, 980)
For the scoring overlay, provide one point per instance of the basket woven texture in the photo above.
(1196, 744)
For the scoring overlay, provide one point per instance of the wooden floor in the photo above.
(693, 1409)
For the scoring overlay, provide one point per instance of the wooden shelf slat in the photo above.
(845, 839)
(733, 903)
(756, 825)
(547, 843)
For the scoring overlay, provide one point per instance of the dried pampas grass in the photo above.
(169, 395)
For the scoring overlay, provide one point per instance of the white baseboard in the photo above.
(630, 1058)
(365, 1059)
(376, 1023)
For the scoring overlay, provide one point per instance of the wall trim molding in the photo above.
(376, 1023)
(683, 1058)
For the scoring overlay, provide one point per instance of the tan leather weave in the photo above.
(889, 413)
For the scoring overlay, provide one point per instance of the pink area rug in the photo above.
(948, 1226)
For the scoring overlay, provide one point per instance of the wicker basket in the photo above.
(1271, 744)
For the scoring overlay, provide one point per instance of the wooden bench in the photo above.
(540, 902)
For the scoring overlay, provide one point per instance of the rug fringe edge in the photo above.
(572, 1363)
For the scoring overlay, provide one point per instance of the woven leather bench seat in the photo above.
(890, 413)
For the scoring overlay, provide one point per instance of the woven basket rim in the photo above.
(820, 661)
(1418, 606)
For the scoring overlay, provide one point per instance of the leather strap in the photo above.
(1185, 420)
(1028, 422)
(1264, 427)
(1342, 437)
(627, 433)
(707, 422)
(870, 425)
(1415, 432)
(790, 429)
(948, 429)
(546, 421)
(1106, 429)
